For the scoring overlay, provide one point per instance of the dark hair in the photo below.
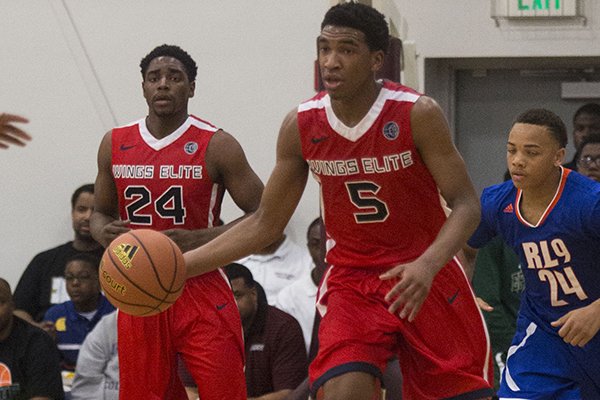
(5, 283)
(363, 18)
(589, 108)
(592, 138)
(87, 188)
(171, 51)
(235, 270)
(87, 258)
(545, 118)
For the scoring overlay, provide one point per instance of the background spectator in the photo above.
(278, 265)
(42, 284)
(586, 121)
(71, 321)
(29, 361)
(276, 361)
(97, 370)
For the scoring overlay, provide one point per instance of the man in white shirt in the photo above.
(299, 298)
(278, 266)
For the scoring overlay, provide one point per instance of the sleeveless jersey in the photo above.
(559, 254)
(163, 183)
(381, 205)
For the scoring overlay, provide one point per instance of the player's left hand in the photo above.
(184, 238)
(409, 294)
(579, 326)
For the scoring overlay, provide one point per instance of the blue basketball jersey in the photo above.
(560, 253)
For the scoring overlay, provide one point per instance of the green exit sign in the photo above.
(535, 8)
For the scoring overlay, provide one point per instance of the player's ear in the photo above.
(559, 158)
(377, 59)
(192, 89)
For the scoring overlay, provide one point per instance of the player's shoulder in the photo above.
(496, 196)
(318, 102)
(396, 91)
(581, 187)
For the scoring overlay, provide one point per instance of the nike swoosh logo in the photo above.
(451, 299)
(123, 147)
(221, 306)
(319, 139)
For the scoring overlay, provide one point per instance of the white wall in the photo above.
(255, 63)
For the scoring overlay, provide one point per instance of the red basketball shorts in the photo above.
(204, 327)
(443, 353)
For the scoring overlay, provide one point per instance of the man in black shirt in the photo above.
(42, 284)
(29, 360)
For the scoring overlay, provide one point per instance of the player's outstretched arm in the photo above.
(434, 143)
(226, 164)
(104, 223)
(279, 200)
(10, 134)
(579, 326)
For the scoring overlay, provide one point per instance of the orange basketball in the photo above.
(142, 272)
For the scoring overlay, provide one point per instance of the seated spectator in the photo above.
(586, 121)
(299, 298)
(588, 163)
(97, 370)
(42, 284)
(29, 361)
(72, 320)
(276, 361)
(278, 265)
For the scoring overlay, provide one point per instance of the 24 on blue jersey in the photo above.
(559, 254)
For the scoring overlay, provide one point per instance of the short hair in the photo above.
(589, 108)
(87, 188)
(5, 283)
(547, 119)
(235, 270)
(593, 138)
(363, 18)
(167, 50)
(86, 258)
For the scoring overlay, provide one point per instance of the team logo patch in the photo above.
(391, 130)
(509, 209)
(125, 253)
(61, 324)
(190, 147)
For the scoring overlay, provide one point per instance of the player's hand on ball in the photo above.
(579, 326)
(114, 229)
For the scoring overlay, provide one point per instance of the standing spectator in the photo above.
(588, 163)
(278, 265)
(43, 283)
(586, 121)
(29, 361)
(97, 370)
(11, 134)
(276, 361)
(72, 320)
(300, 298)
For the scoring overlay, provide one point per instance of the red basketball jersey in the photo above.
(381, 205)
(163, 183)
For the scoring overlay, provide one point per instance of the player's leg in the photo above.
(538, 366)
(210, 338)
(147, 363)
(355, 337)
(445, 352)
(587, 359)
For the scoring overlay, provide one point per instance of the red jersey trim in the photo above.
(564, 172)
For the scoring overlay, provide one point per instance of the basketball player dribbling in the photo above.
(168, 172)
(380, 151)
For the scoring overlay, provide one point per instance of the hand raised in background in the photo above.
(11, 134)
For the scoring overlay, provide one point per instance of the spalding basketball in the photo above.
(142, 272)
